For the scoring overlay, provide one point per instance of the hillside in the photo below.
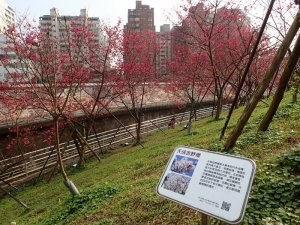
(121, 188)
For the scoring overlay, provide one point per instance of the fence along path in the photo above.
(19, 169)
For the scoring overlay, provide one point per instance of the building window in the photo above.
(132, 13)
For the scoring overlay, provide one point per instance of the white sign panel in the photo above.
(210, 182)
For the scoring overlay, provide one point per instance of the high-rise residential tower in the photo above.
(163, 41)
(7, 18)
(57, 24)
(7, 15)
(60, 27)
(140, 19)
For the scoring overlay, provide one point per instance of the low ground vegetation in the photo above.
(121, 189)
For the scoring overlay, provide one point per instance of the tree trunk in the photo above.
(68, 183)
(79, 147)
(272, 84)
(81, 160)
(138, 129)
(86, 129)
(195, 114)
(82, 139)
(295, 95)
(214, 105)
(138, 133)
(219, 107)
(189, 127)
(58, 152)
(230, 142)
(76, 143)
(189, 124)
(284, 80)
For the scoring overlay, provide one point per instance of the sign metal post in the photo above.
(205, 219)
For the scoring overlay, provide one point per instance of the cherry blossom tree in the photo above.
(47, 75)
(188, 78)
(278, 58)
(96, 97)
(137, 69)
(225, 35)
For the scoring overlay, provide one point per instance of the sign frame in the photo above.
(246, 196)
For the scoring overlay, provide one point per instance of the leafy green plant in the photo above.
(287, 110)
(269, 138)
(217, 146)
(83, 203)
(291, 161)
(275, 197)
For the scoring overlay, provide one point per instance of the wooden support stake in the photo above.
(251, 105)
(284, 80)
(98, 141)
(80, 137)
(13, 197)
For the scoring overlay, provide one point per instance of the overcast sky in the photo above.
(107, 10)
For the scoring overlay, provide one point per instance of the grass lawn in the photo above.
(121, 189)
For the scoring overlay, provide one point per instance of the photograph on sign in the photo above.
(184, 165)
(213, 183)
(176, 183)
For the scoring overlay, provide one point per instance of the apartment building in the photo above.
(57, 25)
(163, 41)
(7, 18)
(7, 15)
(141, 19)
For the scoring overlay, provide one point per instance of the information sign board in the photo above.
(213, 183)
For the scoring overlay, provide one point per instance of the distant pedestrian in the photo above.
(171, 123)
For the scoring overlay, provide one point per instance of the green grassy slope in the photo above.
(121, 189)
